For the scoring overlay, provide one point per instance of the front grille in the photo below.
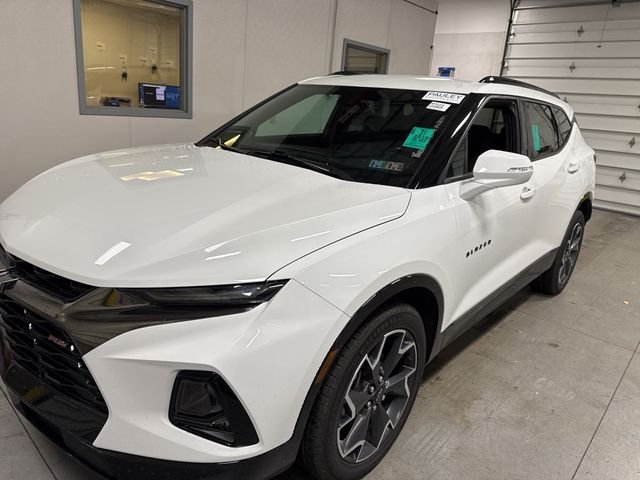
(62, 288)
(45, 350)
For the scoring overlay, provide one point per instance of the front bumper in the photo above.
(70, 426)
(269, 356)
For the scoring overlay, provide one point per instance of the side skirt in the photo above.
(497, 298)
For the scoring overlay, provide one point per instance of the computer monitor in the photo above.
(158, 96)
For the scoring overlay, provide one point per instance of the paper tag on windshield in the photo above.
(384, 165)
(441, 107)
(444, 97)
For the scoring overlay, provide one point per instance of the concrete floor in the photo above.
(544, 388)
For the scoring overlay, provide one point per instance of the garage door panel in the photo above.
(578, 72)
(586, 86)
(574, 50)
(620, 161)
(619, 100)
(588, 52)
(605, 108)
(561, 14)
(632, 63)
(618, 195)
(570, 36)
(578, 13)
(616, 207)
(523, 4)
(610, 124)
(613, 142)
(614, 177)
(628, 27)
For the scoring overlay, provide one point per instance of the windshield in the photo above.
(372, 135)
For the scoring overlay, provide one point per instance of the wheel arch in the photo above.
(586, 206)
(421, 291)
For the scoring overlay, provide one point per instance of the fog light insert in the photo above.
(203, 404)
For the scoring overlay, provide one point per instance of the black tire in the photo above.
(324, 452)
(553, 281)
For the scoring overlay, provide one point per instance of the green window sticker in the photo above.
(536, 137)
(419, 138)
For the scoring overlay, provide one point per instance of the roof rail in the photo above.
(515, 83)
(346, 72)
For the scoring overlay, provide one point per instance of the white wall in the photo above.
(470, 36)
(244, 50)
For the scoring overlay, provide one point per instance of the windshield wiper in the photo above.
(285, 157)
(218, 141)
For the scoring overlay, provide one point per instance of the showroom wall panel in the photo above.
(470, 36)
(243, 51)
(410, 37)
(280, 35)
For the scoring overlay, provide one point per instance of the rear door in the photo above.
(556, 179)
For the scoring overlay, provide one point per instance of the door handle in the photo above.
(573, 167)
(528, 192)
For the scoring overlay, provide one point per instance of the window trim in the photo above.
(364, 46)
(186, 70)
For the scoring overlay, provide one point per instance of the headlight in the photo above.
(249, 294)
(105, 313)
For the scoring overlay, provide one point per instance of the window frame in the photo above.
(367, 47)
(523, 142)
(527, 129)
(186, 69)
(569, 120)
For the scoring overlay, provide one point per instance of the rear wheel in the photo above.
(366, 398)
(556, 278)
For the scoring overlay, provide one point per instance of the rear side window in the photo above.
(564, 124)
(542, 132)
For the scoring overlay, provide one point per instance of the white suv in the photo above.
(275, 290)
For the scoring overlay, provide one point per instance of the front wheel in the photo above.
(366, 398)
(556, 278)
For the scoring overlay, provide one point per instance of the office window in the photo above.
(361, 58)
(133, 57)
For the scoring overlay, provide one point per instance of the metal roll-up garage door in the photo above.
(589, 54)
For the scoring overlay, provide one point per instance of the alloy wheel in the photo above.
(377, 396)
(570, 254)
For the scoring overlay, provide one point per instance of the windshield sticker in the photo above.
(384, 165)
(444, 97)
(439, 106)
(419, 138)
(536, 137)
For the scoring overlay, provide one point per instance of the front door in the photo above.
(494, 232)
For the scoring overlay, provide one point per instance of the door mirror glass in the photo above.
(495, 168)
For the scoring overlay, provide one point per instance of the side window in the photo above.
(564, 124)
(542, 132)
(306, 117)
(495, 127)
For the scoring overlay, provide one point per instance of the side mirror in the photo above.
(495, 168)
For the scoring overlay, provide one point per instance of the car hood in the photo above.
(181, 215)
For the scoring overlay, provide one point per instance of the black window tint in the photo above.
(495, 127)
(543, 136)
(371, 135)
(564, 124)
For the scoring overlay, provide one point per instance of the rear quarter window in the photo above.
(563, 123)
(542, 131)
